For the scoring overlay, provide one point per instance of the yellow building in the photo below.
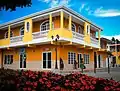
(30, 42)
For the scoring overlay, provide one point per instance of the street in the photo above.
(103, 73)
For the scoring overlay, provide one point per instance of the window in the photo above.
(80, 30)
(28, 26)
(45, 26)
(8, 59)
(22, 31)
(6, 34)
(88, 29)
(86, 58)
(73, 27)
(71, 57)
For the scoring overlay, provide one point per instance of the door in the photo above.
(95, 60)
(99, 61)
(47, 60)
(79, 59)
(22, 60)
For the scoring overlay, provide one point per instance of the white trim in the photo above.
(74, 26)
(48, 23)
(42, 60)
(21, 29)
(6, 32)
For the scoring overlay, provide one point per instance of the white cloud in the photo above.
(82, 7)
(100, 12)
(110, 37)
(54, 3)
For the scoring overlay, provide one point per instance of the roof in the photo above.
(105, 39)
(48, 11)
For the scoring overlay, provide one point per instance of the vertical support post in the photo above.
(50, 21)
(95, 60)
(99, 37)
(70, 22)
(9, 31)
(108, 65)
(61, 19)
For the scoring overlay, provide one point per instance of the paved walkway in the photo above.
(114, 73)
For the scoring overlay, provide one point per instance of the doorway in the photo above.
(46, 60)
(79, 59)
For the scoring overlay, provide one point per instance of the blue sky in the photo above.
(104, 13)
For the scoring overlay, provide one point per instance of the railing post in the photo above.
(70, 21)
(50, 21)
(61, 19)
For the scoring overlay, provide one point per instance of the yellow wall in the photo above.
(87, 36)
(16, 31)
(27, 35)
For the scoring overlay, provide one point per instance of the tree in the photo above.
(113, 40)
(12, 4)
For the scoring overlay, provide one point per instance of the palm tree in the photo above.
(113, 40)
(12, 4)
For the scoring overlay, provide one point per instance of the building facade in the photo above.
(38, 41)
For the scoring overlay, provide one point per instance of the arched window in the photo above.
(88, 29)
(73, 27)
(22, 31)
(6, 34)
(45, 26)
(80, 30)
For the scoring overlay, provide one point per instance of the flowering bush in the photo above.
(11, 80)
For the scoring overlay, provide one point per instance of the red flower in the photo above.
(57, 88)
(82, 88)
(92, 87)
(87, 87)
(29, 89)
(35, 84)
(93, 82)
(25, 89)
(106, 88)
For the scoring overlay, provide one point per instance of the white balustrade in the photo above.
(38, 35)
(78, 36)
(16, 39)
(94, 41)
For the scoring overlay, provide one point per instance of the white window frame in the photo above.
(21, 29)
(47, 62)
(80, 29)
(71, 59)
(86, 58)
(48, 28)
(27, 27)
(7, 36)
(74, 27)
(88, 29)
(8, 61)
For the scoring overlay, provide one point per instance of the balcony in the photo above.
(77, 37)
(16, 40)
(94, 42)
(38, 35)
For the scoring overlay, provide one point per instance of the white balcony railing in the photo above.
(94, 41)
(16, 39)
(38, 35)
(78, 36)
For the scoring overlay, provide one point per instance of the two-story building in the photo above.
(39, 40)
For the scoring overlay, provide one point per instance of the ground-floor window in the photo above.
(8, 59)
(71, 57)
(86, 58)
(47, 60)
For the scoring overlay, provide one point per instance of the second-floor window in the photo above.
(80, 30)
(6, 34)
(88, 29)
(73, 27)
(22, 31)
